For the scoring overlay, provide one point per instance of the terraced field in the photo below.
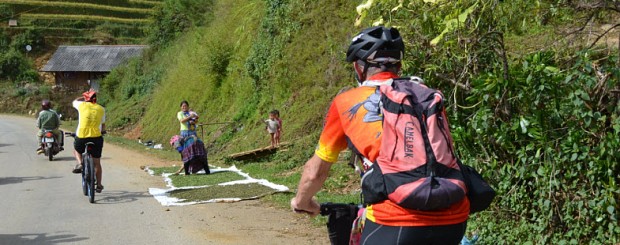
(82, 21)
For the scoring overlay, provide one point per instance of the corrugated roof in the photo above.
(95, 58)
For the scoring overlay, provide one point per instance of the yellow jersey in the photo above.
(91, 116)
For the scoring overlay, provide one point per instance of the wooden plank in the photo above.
(256, 153)
(253, 154)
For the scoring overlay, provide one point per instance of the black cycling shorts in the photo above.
(374, 233)
(80, 143)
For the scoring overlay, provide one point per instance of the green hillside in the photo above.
(532, 89)
(80, 21)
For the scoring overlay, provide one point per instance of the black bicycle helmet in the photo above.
(46, 104)
(376, 42)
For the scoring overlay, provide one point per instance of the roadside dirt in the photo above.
(245, 222)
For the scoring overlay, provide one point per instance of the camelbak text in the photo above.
(409, 139)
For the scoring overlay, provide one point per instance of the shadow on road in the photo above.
(64, 159)
(116, 197)
(2, 145)
(16, 180)
(40, 238)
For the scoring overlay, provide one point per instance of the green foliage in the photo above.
(174, 17)
(275, 31)
(540, 126)
(15, 67)
(126, 91)
(5, 40)
(81, 22)
(84, 17)
(29, 36)
(550, 135)
(76, 8)
(5, 12)
(120, 30)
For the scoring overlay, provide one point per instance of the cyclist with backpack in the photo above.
(91, 127)
(356, 120)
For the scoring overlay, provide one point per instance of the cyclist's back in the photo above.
(91, 117)
(91, 126)
(354, 120)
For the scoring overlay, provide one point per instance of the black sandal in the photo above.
(77, 169)
(99, 188)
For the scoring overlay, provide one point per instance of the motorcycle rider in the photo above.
(48, 120)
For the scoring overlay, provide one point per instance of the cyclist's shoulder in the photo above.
(87, 105)
(46, 113)
(353, 95)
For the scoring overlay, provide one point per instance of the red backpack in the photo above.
(416, 167)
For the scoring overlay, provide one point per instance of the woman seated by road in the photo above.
(193, 154)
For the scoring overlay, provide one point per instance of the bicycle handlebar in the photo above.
(328, 208)
(72, 134)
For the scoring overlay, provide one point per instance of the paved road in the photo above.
(41, 201)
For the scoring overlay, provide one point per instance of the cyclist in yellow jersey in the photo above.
(91, 127)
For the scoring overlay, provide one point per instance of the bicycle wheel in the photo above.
(84, 175)
(91, 179)
(84, 187)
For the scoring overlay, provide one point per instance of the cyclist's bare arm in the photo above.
(314, 175)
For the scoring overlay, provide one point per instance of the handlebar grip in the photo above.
(329, 207)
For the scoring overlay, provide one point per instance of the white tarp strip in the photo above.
(163, 197)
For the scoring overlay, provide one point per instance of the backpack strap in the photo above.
(430, 155)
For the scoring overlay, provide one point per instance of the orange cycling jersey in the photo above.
(354, 120)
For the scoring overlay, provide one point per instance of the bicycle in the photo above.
(340, 222)
(340, 219)
(89, 179)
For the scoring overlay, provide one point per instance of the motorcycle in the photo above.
(50, 144)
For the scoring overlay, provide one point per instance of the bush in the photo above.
(14, 66)
(547, 136)
(174, 17)
(30, 36)
(5, 40)
(541, 126)
(5, 12)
